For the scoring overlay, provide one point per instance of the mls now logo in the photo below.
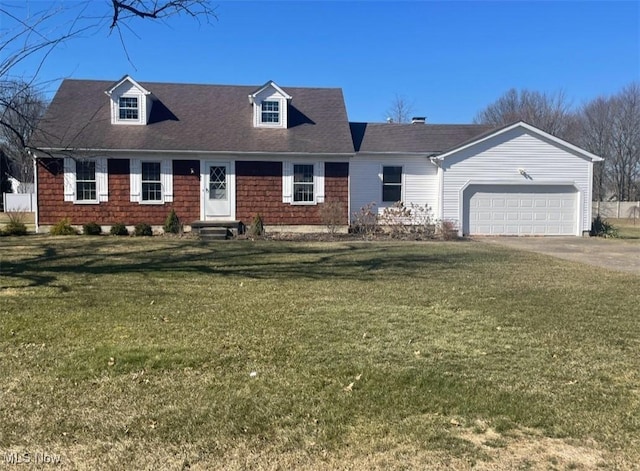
(31, 458)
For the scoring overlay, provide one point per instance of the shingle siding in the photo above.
(52, 208)
(259, 191)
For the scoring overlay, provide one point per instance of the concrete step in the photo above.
(213, 233)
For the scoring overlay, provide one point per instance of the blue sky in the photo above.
(448, 59)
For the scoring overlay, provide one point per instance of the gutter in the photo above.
(35, 188)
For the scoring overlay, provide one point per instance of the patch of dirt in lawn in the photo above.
(528, 450)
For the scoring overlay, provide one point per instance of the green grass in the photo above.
(139, 353)
(627, 228)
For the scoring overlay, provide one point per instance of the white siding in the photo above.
(419, 181)
(128, 89)
(504, 159)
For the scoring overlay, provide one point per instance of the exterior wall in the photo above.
(259, 191)
(419, 185)
(500, 159)
(119, 209)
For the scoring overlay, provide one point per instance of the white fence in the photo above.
(19, 202)
(616, 209)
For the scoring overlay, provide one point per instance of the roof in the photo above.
(418, 137)
(194, 117)
(528, 128)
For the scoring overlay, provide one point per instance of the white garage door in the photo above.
(520, 210)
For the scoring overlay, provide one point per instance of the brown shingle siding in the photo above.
(52, 207)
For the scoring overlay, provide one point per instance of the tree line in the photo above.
(607, 126)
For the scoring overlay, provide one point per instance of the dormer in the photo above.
(130, 102)
(270, 106)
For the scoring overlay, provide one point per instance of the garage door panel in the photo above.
(520, 210)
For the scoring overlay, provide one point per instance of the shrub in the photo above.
(365, 221)
(63, 228)
(447, 230)
(414, 222)
(331, 214)
(91, 228)
(601, 228)
(142, 230)
(14, 229)
(119, 229)
(16, 225)
(172, 223)
(257, 227)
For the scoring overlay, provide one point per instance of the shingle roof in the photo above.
(428, 138)
(194, 117)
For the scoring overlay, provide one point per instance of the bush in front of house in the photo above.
(143, 230)
(172, 223)
(63, 228)
(601, 228)
(91, 228)
(257, 227)
(119, 229)
(16, 225)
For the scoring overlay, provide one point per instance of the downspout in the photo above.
(35, 189)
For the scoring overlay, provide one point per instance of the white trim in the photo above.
(69, 179)
(270, 83)
(381, 183)
(231, 189)
(530, 128)
(127, 78)
(288, 184)
(102, 180)
(135, 180)
(204, 154)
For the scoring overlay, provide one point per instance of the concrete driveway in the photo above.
(615, 254)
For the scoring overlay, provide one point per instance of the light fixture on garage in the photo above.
(524, 173)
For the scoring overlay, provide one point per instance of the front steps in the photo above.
(217, 230)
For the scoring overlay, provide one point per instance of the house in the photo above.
(130, 152)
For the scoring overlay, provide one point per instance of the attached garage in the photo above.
(520, 210)
(516, 181)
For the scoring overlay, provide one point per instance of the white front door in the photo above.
(218, 191)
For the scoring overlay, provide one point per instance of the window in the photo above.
(218, 182)
(270, 112)
(128, 108)
(391, 184)
(86, 180)
(151, 182)
(303, 183)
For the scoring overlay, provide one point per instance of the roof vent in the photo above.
(418, 120)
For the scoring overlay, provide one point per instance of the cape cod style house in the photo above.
(129, 152)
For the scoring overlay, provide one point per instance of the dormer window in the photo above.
(270, 104)
(130, 102)
(270, 112)
(128, 108)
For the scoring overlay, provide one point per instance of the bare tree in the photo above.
(610, 128)
(596, 137)
(21, 106)
(400, 110)
(549, 112)
(31, 34)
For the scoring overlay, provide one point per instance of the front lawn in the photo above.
(163, 353)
